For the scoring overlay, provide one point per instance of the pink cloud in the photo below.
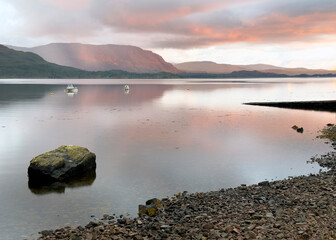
(178, 24)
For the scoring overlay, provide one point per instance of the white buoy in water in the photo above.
(71, 89)
(126, 89)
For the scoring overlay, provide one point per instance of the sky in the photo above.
(288, 33)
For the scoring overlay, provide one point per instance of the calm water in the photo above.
(158, 140)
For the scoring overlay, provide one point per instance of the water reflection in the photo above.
(11, 93)
(59, 187)
(71, 94)
(156, 141)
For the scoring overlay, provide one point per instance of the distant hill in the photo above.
(102, 57)
(208, 67)
(16, 64)
(215, 68)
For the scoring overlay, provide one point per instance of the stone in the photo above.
(295, 127)
(121, 220)
(264, 184)
(251, 227)
(208, 226)
(252, 235)
(164, 226)
(91, 225)
(300, 130)
(61, 165)
(149, 210)
(46, 233)
(153, 201)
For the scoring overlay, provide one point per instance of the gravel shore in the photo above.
(296, 208)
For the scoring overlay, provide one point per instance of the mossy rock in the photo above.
(151, 208)
(60, 165)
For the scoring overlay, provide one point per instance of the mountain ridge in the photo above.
(19, 64)
(216, 68)
(90, 57)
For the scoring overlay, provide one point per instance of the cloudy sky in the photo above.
(289, 33)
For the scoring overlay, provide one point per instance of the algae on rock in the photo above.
(60, 165)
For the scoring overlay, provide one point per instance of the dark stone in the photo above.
(295, 127)
(149, 210)
(300, 130)
(208, 226)
(264, 184)
(152, 201)
(91, 225)
(61, 165)
(121, 220)
(46, 233)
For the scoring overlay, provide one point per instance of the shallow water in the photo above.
(157, 140)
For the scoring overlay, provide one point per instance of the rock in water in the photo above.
(300, 130)
(60, 165)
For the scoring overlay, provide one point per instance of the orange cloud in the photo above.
(274, 27)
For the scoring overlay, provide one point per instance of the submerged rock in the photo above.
(295, 127)
(61, 165)
(299, 130)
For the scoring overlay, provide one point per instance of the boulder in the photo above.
(151, 208)
(61, 165)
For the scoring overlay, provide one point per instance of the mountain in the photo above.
(208, 67)
(260, 67)
(102, 57)
(17, 64)
(299, 71)
(215, 68)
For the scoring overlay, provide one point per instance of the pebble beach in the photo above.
(297, 208)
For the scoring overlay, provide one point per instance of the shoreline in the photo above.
(326, 105)
(299, 208)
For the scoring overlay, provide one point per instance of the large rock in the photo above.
(61, 165)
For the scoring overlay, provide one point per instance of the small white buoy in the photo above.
(126, 89)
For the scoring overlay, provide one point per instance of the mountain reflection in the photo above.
(117, 95)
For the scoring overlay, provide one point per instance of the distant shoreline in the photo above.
(325, 105)
(13, 73)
